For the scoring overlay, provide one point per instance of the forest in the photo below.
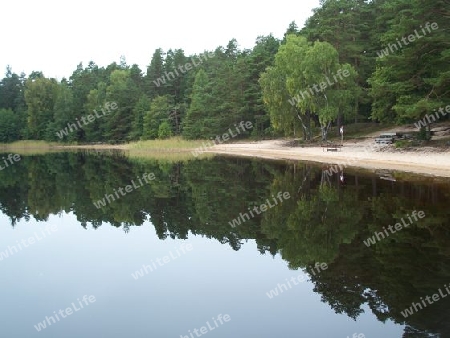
(381, 61)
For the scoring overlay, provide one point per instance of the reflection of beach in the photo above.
(385, 175)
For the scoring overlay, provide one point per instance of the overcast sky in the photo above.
(54, 36)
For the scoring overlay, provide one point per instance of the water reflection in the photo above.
(327, 219)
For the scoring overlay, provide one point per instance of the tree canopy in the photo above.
(352, 61)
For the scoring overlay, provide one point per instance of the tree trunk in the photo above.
(324, 129)
(305, 129)
(308, 125)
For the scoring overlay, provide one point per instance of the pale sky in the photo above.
(54, 36)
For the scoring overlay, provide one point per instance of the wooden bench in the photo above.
(331, 147)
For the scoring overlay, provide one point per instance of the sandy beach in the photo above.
(360, 154)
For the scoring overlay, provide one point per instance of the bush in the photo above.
(402, 143)
(164, 130)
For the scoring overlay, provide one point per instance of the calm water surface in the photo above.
(164, 258)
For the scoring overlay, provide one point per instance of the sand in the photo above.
(357, 154)
(363, 154)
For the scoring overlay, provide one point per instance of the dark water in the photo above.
(162, 260)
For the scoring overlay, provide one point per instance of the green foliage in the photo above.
(176, 78)
(12, 91)
(62, 114)
(82, 82)
(261, 57)
(299, 86)
(9, 126)
(40, 96)
(197, 122)
(348, 26)
(402, 143)
(211, 91)
(158, 114)
(413, 78)
(164, 130)
(155, 79)
(123, 91)
(139, 111)
(96, 99)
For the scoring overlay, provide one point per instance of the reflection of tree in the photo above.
(392, 274)
(323, 221)
(342, 291)
(312, 225)
(329, 221)
(13, 192)
(221, 190)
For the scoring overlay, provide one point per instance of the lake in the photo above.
(101, 245)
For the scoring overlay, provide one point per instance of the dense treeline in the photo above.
(354, 60)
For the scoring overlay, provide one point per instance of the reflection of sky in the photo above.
(179, 296)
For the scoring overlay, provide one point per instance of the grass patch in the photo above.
(180, 156)
(174, 149)
(26, 144)
(399, 144)
(173, 143)
(29, 147)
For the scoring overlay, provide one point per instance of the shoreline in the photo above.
(424, 161)
(354, 154)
